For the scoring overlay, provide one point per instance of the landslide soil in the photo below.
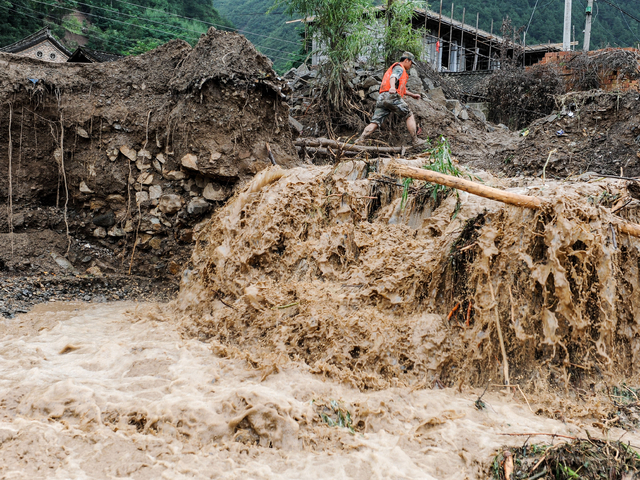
(104, 159)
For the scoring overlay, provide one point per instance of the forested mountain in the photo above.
(134, 26)
(268, 31)
(118, 26)
(609, 25)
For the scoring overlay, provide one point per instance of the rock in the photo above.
(115, 198)
(428, 84)
(186, 235)
(198, 206)
(295, 125)
(479, 115)
(370, 82)
(155, 192)
(129, 153)
(174, 268)
(142, 163)
(362, 95)
(157, 166)
(160, 158)
(190, 161)
(219, 166)
(374, 89)
(414, 84)
(216, 193)
(116, 231)
(437, 95)
(82, 132)
(84, 188)
(302, 70)
(145, 178)
(463, 115)
(107, 220)
(128, 227)
(18, 220)
(374, 95)
(87, 259)
(455, 106)
(94, 271)
(61, 261)
(156, 243)
(99, 232)
(144, 153)
(142, 197)
(96, 204)
(175, 175)
(170, 204)
(112, 153)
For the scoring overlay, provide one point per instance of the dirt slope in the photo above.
(143, 148)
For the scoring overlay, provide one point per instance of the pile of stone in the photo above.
(365, 81)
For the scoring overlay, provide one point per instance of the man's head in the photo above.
(407, 60)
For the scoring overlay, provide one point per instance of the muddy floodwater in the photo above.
(107, 391)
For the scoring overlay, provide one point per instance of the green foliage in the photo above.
(344, 29)
(118, 26)
(267, 30)
(399, 36)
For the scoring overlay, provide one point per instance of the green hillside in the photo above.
(610, 26)
(269, 32)
(118, 26)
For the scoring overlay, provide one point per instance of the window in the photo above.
(52, 56)
(39, 54)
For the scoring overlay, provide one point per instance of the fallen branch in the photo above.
(325, 142)
(273, 160)
(509, 198)
(324, 151)
(537, 435)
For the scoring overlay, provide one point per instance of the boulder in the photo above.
(437, 95)
(175, 175)
(99, 232)
(295, 125)
(370, 82)
(455, 106)
(464, 114)
(82, 132)
(219, 166)
(414, 84)
(170, 204)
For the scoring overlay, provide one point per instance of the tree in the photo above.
(343, 29)
(399, 34)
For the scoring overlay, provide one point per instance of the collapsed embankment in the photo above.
(136, 151)
(331, 267)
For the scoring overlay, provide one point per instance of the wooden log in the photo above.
(467, 186)
(509, 198)
(325, 142)
(325, 151)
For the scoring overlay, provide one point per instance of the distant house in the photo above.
(86, 55)
(454, 46)
(41, 45)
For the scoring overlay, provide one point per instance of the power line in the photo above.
(627, 24)
(623, 11)
(117, 12)
(114, 41)
(207, 23)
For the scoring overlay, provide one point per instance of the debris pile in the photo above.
(368, 282)
(592, 131)
(134, 152)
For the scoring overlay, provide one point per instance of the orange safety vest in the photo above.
(402, 84)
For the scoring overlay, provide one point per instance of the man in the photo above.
(392, 89)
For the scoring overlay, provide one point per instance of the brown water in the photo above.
(92, 391)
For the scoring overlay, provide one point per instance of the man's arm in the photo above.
(414, 95)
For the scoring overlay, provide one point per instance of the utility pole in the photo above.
(587, 26)
(566, 35)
